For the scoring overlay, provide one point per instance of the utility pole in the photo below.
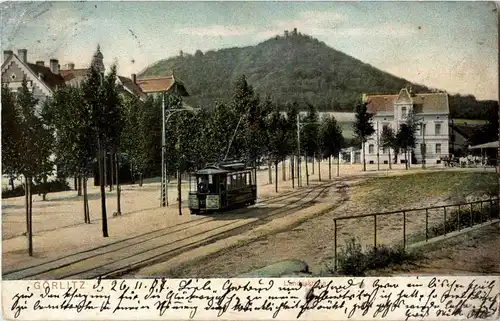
(299, 176)
(164, 185)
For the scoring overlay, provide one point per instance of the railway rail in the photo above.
(122, 257)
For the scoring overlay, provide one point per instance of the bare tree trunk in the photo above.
(79, 185)
(330, 167)
(105, 160)
(86, 201)
(276, 175)
(338, 166)
(406, 159)
(319, 169)
(283, 170)
(117, 181)
(30, 217)
(312, 162)
(140, 179)
(102, 187)
(179, 192)
(111, 170)
(364, 158)
(44, 188)
(390, 166)
(307, 173)
(26, 200)
(75, 182)
(270, 171)
(292, 165)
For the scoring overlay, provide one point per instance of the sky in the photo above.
(451, 46)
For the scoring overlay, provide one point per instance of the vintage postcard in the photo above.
(250, 160)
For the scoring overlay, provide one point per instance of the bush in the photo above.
(465, 217)
(353, 261)
(49, 187)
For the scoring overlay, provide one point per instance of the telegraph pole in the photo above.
(299, 176)
(163, 196)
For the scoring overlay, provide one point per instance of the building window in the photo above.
(404, 112)
(13, 76)
(438, 129)
(438, 148)
(385, 125)
(370, 149)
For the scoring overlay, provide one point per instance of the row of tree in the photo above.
(402, 140)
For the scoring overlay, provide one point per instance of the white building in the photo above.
(432, 109)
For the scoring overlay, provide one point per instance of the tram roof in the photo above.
(211, 170)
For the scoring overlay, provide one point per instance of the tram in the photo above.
(221, 187)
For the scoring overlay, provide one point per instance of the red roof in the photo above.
(423, 103)
(152, 85)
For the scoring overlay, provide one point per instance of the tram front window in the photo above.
(203, 184)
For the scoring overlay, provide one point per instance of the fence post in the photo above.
(444, 227)
(459, 218)
(426, 224)
(375, 231)
(481, 209)
(491, 208)
(471, 219)
(335, 244)
(404, 229)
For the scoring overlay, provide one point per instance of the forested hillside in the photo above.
(297, 67)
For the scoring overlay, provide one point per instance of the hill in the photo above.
(295, 67)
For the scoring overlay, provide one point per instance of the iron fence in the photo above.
(439, 221)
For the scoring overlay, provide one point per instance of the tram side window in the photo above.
(229, 186)
(211, 186)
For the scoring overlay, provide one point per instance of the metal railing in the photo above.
(466, 215)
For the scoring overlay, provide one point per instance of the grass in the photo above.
(406, 189)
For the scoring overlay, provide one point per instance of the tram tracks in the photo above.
(136, 252)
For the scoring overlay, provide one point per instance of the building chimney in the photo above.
(134, 78)
(181, 53)
(294, 31)
(7, 54)
(40, 63)
(40, 76)
(71, 66)
(54, 66)
(23, 55)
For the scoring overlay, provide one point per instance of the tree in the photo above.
(278, 139)
(32, 143)
(101, 97)
(112, 117)
(292, 115)
(75, 144)
(137, 140)
(388, 140)
(310, 135)
(10, 133)
(406, 140)
(363, 127)
(332, 142)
